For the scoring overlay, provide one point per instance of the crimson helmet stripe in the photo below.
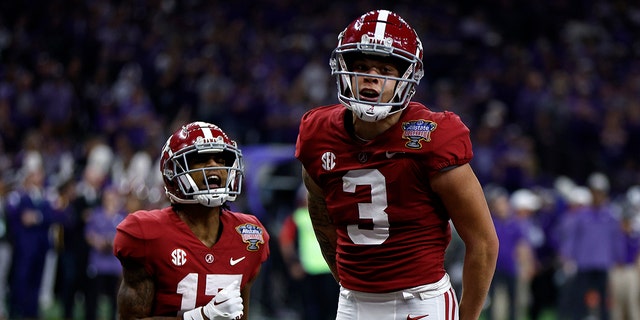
(381, 25)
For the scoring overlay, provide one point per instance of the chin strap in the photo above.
(360, 111)
(208, 200)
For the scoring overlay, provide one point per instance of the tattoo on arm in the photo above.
(322, 225)
(136, 293)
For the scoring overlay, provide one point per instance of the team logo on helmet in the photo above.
(416, 131)
(251, 234)
(203, 140)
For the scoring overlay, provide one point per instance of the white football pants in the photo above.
(435, 301)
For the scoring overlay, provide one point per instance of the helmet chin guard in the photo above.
(369, 113)
(209, 200)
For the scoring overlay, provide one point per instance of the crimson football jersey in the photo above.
(186, 272)
(392, 228)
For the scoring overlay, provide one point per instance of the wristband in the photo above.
(195, 314)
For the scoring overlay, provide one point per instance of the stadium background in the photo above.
(548, 88)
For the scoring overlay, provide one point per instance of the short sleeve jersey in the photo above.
(392, 228)
(186, 272)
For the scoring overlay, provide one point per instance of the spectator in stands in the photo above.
(104, 270)
(514, 248)
(593, 245)
(625, 276)
(30, 214)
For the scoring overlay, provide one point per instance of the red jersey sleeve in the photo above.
(449, 144)
(131, 237)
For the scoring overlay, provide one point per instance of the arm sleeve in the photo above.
(450, 144)
(129, 242)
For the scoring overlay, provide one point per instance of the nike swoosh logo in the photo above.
(233, 262)
(215, 303)
(409, 317)
(391, 154)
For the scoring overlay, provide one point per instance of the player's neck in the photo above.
(370, 130)
(203, 221)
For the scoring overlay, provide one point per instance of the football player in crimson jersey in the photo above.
(195, 259)
(386, 176)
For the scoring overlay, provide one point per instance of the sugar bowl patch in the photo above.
(252, 235)
(416, 131)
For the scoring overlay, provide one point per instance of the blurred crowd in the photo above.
(572, 249)
(89, 89)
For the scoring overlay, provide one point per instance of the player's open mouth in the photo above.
(213, 181)
(369, 95)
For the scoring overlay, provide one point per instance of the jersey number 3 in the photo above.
(374, 211)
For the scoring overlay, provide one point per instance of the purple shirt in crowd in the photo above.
(104, 225)
(594, 241)
(510, 232)
(631, 248)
